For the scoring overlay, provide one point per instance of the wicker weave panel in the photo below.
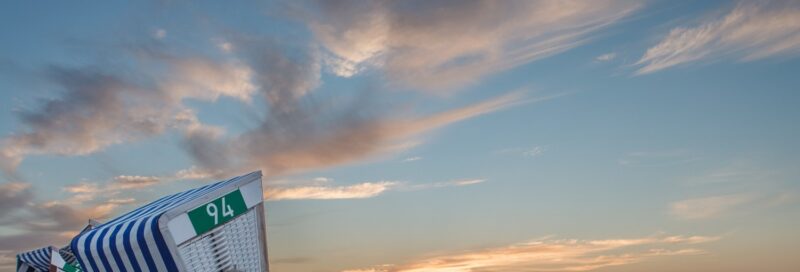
(234, 246)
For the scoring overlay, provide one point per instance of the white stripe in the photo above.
(106, 246)
(41, 259)
(81, 251)
(137, 250)
(55, 259)
(23, 267)
(121, 248)
(151, 245)
(24, 258)
(92, 246)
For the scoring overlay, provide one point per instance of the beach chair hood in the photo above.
(38, 259)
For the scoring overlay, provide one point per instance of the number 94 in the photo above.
(213, 211)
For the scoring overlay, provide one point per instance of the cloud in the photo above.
(193, 173)
(555, 255)
(15, 243)
(707, 207)
(751, 31)
(133, 182)
(736, 172)
(91, 114)
(87, 191)
(205, 79)
(34, 224)
(411, 159)
(57, 216)
(533, 152)
(452, 183)
(658, 158)
(320, 189)
(361, 190)
(98, 108)
(13, 196)
(606, 57)
(439, 45)
(160, 33)
(302, 138)
(49, 223)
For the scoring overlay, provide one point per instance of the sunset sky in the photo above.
(418, 135)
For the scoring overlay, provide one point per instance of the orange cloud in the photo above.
(356, 191)
(554, 255)
(362, 190)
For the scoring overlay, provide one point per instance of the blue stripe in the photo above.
(27, 258)
(88, 247)
(73, 245)
(114, 252)
(143, 246)
(128, 249)
(102, 253)
(162, 247)
(36, 258)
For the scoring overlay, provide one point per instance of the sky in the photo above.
(418, 135)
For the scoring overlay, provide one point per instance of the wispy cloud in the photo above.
(606, 57)
(294, 144)
(533, 152)
(134, 182)
(708, 207)
(322, 190)
(411, 159)
(361, 190)
(86, 191)
(555, 255)
(530, 152)
(736, 172)
(658, 158)
(438, 46)
(751, 31)
(461, 182)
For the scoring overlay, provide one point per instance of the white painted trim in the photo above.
(181, 228)
(55, 259)
(252, 193)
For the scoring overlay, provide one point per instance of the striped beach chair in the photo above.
(217, 227)
(46, 259)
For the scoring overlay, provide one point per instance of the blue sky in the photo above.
(417, 136)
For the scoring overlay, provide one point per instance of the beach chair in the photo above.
(217, 227)
(46, 259)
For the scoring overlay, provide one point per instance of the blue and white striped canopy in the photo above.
(39, 259)
(134, 241)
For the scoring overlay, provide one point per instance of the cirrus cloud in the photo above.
(439, 45)
(751, 31)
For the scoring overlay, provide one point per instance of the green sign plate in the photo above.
(217, 212)
(70, 268)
